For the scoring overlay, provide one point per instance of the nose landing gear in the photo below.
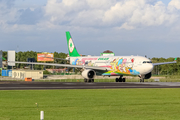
(142, 78)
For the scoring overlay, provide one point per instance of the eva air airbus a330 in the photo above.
(106, 65)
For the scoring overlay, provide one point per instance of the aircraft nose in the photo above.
(150, 67)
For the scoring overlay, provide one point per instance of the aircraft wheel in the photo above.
(124, 80)
(117, 80)
(90, 80)
(141, 80)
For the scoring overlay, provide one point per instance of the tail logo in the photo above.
(71, 45)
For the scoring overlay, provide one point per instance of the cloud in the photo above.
(7, 3)
(30, 17)
(65, 11)
(174, 4)
(90, 15)
(7, 13)
(17, 19)
(125, 26)
(139, 13)
(124, 14)
(103, 4)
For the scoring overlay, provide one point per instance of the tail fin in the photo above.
(71, 47)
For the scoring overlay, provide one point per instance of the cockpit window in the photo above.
(147, 62)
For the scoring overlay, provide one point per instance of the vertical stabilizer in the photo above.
(71, 47)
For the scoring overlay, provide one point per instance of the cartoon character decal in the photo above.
(75, 62)
(119, 66)
(84, 61)
(122, 66)
(113, 65)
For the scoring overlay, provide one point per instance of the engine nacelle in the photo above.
(88, 74)
(147, 76)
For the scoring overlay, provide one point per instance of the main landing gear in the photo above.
(88, 80)
(121, 79)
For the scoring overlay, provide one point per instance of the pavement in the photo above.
(4, 85)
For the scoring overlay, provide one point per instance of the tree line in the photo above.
(23, 56)
(168, 69)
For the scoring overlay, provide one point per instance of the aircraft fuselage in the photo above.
(118, 65)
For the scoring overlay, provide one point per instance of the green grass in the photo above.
(102, 104)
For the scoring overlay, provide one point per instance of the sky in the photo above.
(126, 27)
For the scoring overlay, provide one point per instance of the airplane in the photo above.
(92, 66)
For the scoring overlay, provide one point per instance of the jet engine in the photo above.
(147, 76)
(88, 74)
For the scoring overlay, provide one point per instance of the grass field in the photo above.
(101, 104)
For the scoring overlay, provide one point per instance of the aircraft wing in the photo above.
(163, 63)
(65, 65)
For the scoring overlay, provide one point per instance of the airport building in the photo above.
(22, 74)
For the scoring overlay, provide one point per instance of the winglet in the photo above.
(175, 59)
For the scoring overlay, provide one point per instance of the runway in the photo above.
(76, 85)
